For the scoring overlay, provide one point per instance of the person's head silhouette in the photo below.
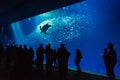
(25, 46)
(110, 46)
(105, 49)
(41, 44)
(62, 45)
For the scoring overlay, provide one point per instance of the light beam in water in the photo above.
(17, 32)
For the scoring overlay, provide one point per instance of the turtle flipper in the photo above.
(40, 28)
(45, 32)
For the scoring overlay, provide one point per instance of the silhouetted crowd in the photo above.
(19, 60)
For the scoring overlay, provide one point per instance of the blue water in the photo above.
(88, 26)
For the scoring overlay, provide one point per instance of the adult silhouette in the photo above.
(40, 57)
(63, 56)
(77, 60)
(49, 60)
(110, 60)
(27, 63)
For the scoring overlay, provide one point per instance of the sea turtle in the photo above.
(44, 28)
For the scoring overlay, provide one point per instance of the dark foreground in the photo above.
(37, 75)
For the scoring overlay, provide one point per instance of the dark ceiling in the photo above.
(14, 10)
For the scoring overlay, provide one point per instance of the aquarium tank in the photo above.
(88, 26)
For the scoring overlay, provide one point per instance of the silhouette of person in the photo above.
(110, 60)
(40, 56)
(27, 63)
(48, 52)
(77, 59)
(63, 56)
